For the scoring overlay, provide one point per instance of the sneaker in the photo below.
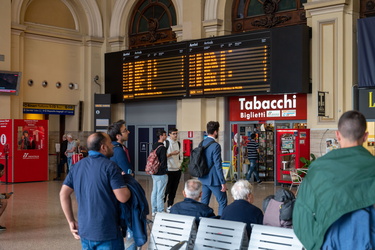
(2, 228)
(169, 209)
(259, 182)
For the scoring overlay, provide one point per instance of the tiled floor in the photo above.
(34, 218)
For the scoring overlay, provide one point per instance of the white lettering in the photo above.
(281, 103)
(273, 104)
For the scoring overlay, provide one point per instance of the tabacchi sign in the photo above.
(268, 107)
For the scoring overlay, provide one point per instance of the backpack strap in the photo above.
(208, 144)
(167, 144)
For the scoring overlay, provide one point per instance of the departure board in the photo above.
(150, 73)
(259, 62)
(220, 66)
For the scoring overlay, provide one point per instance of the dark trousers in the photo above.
(60, 167)
(172, 185)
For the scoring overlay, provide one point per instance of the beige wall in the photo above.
(75, 53)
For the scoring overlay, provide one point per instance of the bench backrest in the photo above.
(170, 229)
(278, 238)
(221, 234)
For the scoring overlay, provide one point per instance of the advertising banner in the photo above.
(30, 150)
(268, 107)
(6, 143)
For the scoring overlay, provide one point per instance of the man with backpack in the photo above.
(160, 178)
(213, 182)
(174, 160)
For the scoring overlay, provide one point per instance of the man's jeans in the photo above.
(253, 165)
(103, 245)
(158, 191)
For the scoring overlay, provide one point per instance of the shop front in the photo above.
(366, 105)
(264, 115)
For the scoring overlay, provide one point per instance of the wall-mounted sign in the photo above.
(268, 107)
(321, 103)
(366, 102)
(48, 109)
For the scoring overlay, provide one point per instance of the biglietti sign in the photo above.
(366, 103)
(268, 107)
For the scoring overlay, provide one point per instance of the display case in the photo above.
(291, 145)
(266, 155)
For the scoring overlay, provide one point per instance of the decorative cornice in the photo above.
(324, 7)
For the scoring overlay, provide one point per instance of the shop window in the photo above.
(263, 14)
(151, 23)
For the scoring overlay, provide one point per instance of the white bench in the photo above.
(221, 234)
(277, 238)
(169, 230)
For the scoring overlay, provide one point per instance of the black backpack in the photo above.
(198, 165)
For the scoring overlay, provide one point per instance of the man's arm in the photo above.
(122, 194)
(218, 166)
(66, 205)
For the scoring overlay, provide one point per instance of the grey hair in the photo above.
(193, 188)
(241, 189)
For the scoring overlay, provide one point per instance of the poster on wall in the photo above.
(331, 144)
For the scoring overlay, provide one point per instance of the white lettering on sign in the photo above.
(3, 139)
(283, 103)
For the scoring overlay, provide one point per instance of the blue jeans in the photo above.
(253, 165)
(69, 159)
(158, 191)
(117, 244)
(221, 197)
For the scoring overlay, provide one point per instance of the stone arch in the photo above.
(85, 13)
(120, 19)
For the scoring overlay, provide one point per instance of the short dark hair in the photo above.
(159, 133)
(171, 130)
(252, 136)
(97, 140)
(1, 167)
(115, 129)
(212, 127)
(352, 125)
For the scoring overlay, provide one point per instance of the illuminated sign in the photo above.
(210, 67)
(268, 107)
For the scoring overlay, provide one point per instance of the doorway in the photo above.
(145, 138)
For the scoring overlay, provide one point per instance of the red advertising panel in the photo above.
(6, 144)
(268, 107)
(30, 150)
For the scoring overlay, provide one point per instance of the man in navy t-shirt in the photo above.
(98, 187)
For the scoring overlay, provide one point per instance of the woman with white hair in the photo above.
(242, 209)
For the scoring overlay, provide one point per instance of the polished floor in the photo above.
(34, 219)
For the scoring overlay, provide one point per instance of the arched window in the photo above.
(263, 14)
(151, 23)
(367, 8)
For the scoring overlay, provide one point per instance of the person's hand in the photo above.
(223, 188)
(176, 152)
(74, 229)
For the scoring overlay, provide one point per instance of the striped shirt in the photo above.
(252, 147)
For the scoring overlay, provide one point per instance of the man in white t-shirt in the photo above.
(174, 156)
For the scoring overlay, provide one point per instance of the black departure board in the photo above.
(149, 73)
(218, 66)
(229, 65)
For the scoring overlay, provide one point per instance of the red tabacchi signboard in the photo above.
(268, 107)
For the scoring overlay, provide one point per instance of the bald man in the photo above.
(98, 187)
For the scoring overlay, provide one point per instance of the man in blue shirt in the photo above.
(98, 187)
(214, 182)
(119, 134)
(191, 205)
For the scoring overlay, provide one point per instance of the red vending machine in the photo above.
(291, 145)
